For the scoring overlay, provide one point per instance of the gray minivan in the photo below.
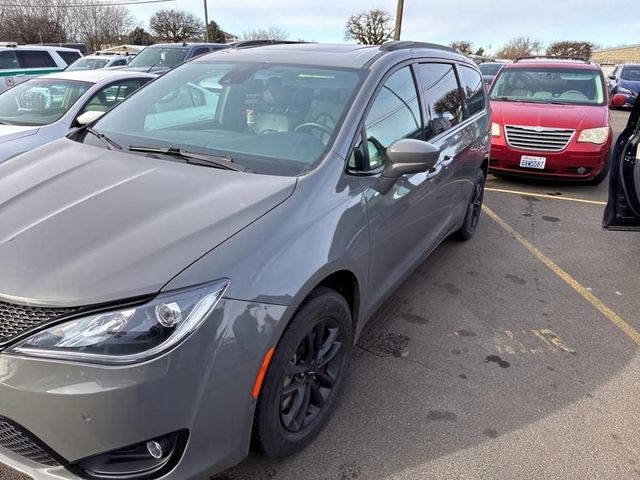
(192, 270)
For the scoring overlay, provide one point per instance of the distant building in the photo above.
(230, 37)
(614, 56)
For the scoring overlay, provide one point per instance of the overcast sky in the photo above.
(487, 23)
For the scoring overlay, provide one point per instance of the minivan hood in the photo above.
(13, 132)
(81, 225)
(575, 117)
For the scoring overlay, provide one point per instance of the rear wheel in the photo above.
(474, 209)
(305, 375)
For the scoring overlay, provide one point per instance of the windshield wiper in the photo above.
(507, 99)
(104, 139)
(193, 158)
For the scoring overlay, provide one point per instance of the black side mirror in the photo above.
(404, 157)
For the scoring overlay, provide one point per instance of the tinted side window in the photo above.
(35, 59)
(111, 95)
(68, 57)
(199, 51)
(395, 114)
(442, 97)
(473, 90)
(118, 63)
(8, 60)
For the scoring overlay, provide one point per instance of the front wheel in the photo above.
(305, 375)
(474, 209)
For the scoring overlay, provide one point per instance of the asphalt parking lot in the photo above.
(510, 356)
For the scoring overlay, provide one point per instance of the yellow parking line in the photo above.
(612, 316)
(544, 195)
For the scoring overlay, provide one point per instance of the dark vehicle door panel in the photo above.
(623, 206)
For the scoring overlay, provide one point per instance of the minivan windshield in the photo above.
(158, 56)
(631, 73)
(549, 85)
(40, 101)
(271, 118)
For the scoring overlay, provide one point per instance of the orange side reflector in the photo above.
(262, 372)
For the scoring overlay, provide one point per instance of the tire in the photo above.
(599, 178)
(282, 425)
(474, 209)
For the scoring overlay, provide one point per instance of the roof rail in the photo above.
(261, 43)
(553, 57)
(394, 45)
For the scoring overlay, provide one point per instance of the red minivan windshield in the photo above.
(549, 85)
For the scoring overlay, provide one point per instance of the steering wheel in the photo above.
(311, 126)
(268, 131)
(568, 92)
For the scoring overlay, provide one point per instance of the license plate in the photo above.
(533, 162)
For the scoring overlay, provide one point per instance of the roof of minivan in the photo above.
(186, 45)
(550, 63)
(334, 55)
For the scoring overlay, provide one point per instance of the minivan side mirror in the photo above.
(89, 117)
(404, 157)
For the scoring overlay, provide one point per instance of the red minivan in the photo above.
(551, 120)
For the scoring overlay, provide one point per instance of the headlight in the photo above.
(495, 129)
(625, 91)
(130, 334)
(594, 135)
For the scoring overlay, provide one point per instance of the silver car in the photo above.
(46, 108)
(171, 290)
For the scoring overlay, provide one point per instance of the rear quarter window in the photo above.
(68, 57)
(9, 60)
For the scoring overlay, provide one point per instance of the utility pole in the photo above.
(206, 23)
(399, 10)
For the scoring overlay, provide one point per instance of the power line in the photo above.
(95, 4)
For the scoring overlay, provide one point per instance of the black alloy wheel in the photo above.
(305, 375)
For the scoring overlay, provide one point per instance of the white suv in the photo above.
(19, 63)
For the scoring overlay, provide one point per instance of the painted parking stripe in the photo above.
(612, 316)
(544, 195)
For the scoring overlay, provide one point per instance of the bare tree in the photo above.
(174, 25)
(571, 49)
(272, 33)
(464, 46)
(373, 27)
(520, 47)
(33, 21)
(100, 26)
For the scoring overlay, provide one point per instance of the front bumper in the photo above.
(505, 159)
(203, 386)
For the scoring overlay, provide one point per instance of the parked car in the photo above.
(489, 71)
(623, 206)
(551, 120)
(624, 85)
(170, 292)
(18, 63)
(161, 57)
(95, 62)
(46, 108)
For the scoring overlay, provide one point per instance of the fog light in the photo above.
(154, 449)
(146, 460)
(581, 170)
